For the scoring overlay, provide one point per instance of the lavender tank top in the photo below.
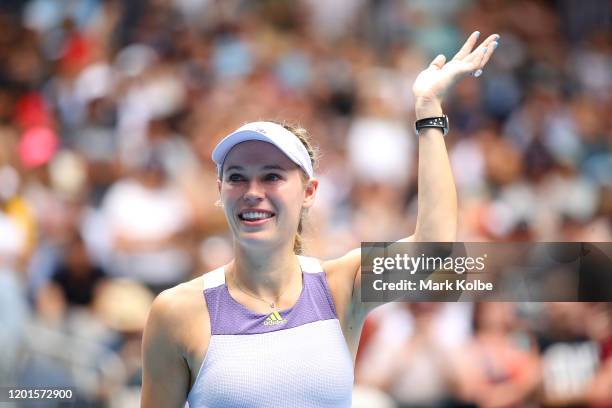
(296, 357)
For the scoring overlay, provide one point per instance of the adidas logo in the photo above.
(273, 319)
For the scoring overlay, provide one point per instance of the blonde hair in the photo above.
(304, 137)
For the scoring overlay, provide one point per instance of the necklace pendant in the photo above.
(272, 305)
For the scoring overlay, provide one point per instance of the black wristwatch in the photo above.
(440, 122)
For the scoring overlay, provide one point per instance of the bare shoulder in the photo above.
(179, 303)
(174, 341)
(180, 298)
(177, 310)
(341, 274)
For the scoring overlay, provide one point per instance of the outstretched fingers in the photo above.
(489, 51)
(467, 46)
(477, 54)
(438, 62)
(478, 58)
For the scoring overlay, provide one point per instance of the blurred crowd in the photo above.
(109, 111)
(455, 355)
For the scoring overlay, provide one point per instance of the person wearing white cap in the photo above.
(272, 328)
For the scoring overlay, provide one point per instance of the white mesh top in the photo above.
(291, 358)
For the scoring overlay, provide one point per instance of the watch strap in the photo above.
(440, 122)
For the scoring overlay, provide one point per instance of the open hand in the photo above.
(432, 83)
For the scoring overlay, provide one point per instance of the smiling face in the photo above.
(263, 193)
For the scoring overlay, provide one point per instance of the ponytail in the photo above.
(298, 241)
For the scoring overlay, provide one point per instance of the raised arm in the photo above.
(437, 198)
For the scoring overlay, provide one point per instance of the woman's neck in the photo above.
(266, 275)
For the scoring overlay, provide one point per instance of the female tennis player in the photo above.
(271, 328)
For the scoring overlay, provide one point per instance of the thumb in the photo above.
(438, 62)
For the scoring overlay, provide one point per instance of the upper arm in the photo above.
(341, 274)
(344, 277)
(165, 378)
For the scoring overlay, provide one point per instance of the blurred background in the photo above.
(108, 114)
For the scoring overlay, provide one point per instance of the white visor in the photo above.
(270, 132)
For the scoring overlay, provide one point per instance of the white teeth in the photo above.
(255, 215)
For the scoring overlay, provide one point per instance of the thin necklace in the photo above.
(272, 305)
